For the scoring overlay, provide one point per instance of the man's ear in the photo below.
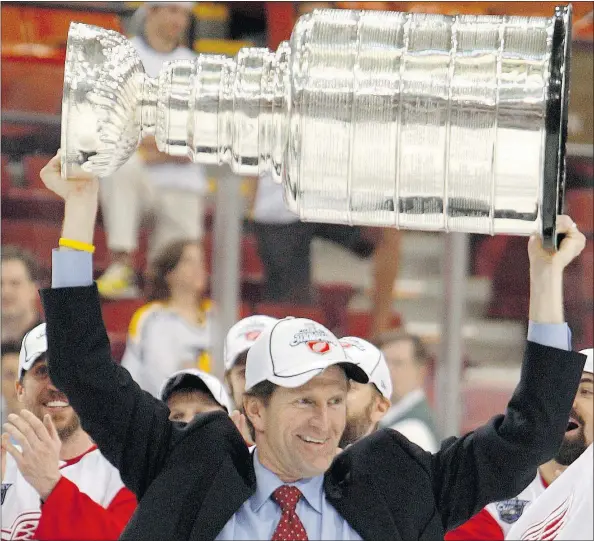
(255, 411)
(20, 390)
(382, 405)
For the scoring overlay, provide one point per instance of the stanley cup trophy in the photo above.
(389, 119)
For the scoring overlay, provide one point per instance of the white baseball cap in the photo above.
(242, 336)
(370, 359)
(589, 366)
(34, 345)
(293, 351)
(183, 379)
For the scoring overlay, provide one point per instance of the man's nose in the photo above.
(320, 418)
(575, 405)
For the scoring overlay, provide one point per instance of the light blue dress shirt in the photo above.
(71, 268)
(258, 517)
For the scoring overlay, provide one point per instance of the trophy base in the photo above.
(554, 171)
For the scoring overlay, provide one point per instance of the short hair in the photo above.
(263, 391)
(8, 347)
(16, 253)
(421, 354)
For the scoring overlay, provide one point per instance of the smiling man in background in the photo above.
(56, 485)
(495, 521)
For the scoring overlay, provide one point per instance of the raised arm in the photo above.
(130, 426)
(498, 460)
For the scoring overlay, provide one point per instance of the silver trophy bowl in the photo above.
(387, 119)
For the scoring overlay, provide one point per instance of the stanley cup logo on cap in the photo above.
(317, 339)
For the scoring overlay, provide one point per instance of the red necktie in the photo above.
(290, 528)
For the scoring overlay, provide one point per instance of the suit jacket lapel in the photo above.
(225, 496)
(359, 503)
(230, 483)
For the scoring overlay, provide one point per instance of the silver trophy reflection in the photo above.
(375, 118)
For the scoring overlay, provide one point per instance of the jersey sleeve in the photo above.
(480, 527)
(69, 514)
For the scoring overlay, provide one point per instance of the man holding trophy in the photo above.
(381, 119)
(200, 482)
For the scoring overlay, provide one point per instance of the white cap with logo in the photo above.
(589, 366)
(242, 335)
(370, 359)
(295, 350)
(34, 345)
(182, 379)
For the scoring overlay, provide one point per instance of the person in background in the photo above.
(566, 509)
(495, 521)
(190, 392)
(410, 414)
(173, 331)
(168, 189)
(20, 282)
(284, 242)
(284, 246)
(238, 341)
(367, 403)
(56, 485)
(10, 369)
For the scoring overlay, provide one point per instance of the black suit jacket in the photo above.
(191, 479)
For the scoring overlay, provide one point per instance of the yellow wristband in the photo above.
(76, 245)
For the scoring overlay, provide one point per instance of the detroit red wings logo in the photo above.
(317, 346)
(251, 336)
(23, 527)
(550, 527)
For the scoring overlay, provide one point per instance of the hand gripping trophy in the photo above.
(403, 120)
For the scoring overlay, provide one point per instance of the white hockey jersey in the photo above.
(495, 520)
(90, 480)
(161, 342)
(507, 512)
(566, 509)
